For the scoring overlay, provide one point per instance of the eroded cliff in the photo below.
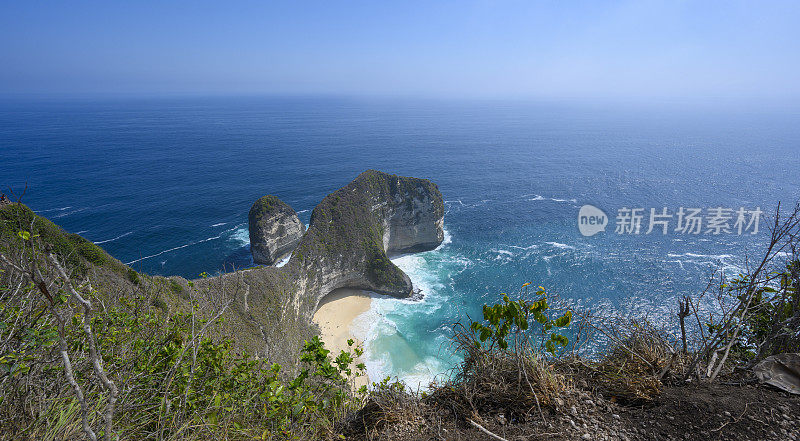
(346, 245)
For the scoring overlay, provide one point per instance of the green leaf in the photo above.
(564, 320)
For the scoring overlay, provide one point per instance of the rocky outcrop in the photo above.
(346, 245)
(350, 234)
(354, 228)
(275, 230)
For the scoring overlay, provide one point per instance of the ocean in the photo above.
(165, 185)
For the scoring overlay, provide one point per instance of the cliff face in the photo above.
(354, 228)
(275, 230)
(413, 223)
(351, 232)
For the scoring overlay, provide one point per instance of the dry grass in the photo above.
(517, 382)
(390, 412)
(632, 368)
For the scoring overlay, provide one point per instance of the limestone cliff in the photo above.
(350, 234)
(354, 228)
(275, 230)
(346, 245)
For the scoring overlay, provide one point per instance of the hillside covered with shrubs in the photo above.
(90, 348)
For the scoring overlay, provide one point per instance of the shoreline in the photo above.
(335, 315)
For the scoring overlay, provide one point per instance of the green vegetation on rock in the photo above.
(78, 251)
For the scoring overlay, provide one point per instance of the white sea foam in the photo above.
(219, 224)
(537, 197)
(242, 235)
(562, 246)
(679, 262)
(171, 249)
(448, 239)
(188, 245)
(460, 204)
(66, 212)
(502, 255)
(111, 240)
(528, 248)
(53, 209)
(707, 256)
(722, 261)
(387, 352)
(283, 261)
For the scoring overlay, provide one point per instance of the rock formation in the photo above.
(346, 245)
(350, 234)
(275, 230)
(354, 228)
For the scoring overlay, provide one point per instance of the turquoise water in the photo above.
(165, 185)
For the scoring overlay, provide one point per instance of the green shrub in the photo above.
(132, 276)
(75, 250)
(179, 385)
(175, 287)
(768, 325)
(507, 360)
(512, 317)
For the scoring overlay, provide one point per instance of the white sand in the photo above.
(335, 316)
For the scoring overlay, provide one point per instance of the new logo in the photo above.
(591, 220)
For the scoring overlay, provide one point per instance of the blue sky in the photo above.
(495, 49)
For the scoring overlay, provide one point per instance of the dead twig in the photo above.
(486, 431)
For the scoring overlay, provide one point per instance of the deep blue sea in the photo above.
(165, 186)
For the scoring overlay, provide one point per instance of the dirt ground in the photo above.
(684, 412)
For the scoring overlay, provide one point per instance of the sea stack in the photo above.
(275, 230)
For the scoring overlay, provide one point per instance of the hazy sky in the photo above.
(553, 49)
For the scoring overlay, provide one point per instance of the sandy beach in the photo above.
(335, 316)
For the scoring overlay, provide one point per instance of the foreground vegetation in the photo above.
(87, 355)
